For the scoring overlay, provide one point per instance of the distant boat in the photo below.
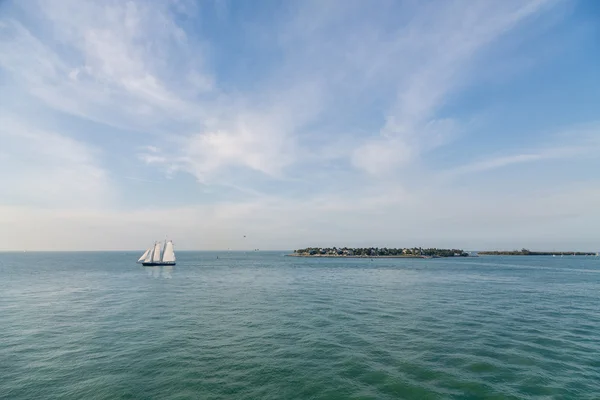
(154, 256)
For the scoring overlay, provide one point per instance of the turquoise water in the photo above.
(264, 326)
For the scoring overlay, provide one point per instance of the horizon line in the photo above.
(261, 250)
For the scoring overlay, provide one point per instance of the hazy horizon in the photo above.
(283, 125)
(564, 250)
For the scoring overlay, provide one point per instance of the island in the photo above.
(377, 252)
(525, 252)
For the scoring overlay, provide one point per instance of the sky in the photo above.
(281, 125)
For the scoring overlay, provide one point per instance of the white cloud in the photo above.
(48, 169)
(260, 136)
(345, 87)
(577, 142)
(119, 72)
(380, 156)
(504, 161)
(106, 64)
(422, 62)
(444, 40)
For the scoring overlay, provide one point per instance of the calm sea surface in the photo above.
(264, 326)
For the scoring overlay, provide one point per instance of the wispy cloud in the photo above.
(120, 75)
(332, 120)
(106, 64)
(576, 143)
(133, 178)
(505, 161)
(48, 169)
(444, 42)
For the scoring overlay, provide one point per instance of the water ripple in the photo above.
(262, 326)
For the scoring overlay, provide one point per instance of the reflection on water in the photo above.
(156, 271)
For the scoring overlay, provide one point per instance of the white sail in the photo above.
(149, 256)
(169, 253)
(156, 252)
(143, 257)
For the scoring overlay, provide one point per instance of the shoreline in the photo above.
(538, 253)
(342, 256)
(376, 252)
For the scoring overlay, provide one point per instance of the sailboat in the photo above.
(154, 256)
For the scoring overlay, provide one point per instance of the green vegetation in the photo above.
(378, 252)
(525, 252)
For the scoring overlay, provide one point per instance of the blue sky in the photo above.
(387, 123)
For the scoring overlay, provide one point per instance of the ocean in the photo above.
(258, 325)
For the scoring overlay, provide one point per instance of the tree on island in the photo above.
(380, 252)
(526, 252)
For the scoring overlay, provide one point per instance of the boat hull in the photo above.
(154, 264)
